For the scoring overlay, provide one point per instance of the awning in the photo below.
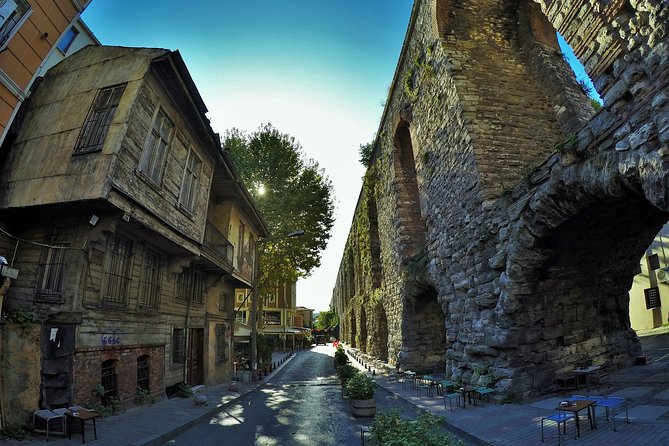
(242, 330)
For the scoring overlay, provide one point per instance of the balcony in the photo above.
(218, 248)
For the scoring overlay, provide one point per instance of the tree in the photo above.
(365, 151)
(326, 319)
(291, 193)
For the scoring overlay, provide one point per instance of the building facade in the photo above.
(278, 314)
(130, 228)
(29, 33)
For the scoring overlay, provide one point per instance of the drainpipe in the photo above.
(186, 336)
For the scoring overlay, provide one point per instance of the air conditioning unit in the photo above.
(662, 275)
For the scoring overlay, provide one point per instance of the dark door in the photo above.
(57, 349)
(195, 356)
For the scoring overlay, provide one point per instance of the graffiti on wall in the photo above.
(111, 336)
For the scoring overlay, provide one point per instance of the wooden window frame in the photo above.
(13, 22)
(178, 345)
(156, 147)
(94, 131)
(118, 270)
(190, 182)
(151, 279)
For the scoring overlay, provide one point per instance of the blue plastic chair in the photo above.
(557, 418)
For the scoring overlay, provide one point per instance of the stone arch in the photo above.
(380, 334)
(424, 332)
(571, 260)
(409, 224)
(374, 243)
(352, 328)
(362, 344)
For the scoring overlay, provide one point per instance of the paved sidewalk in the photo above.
(156, 424)
(646, 388)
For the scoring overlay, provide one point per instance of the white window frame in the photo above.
(156, 146)
(11, 24)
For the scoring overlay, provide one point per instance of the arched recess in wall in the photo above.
(380, 335)
(409, 223)
(362, 339)
(425, 333)
(352, 328)
(569, 273)
(351, 274)
(374, 243)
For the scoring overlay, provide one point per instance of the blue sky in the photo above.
(317, 70)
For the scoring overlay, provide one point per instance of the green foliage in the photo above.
(340, 357)
(326, 319)
(388, 429)
(360, 387)
(346, 372)
(366, 151)
(295, 195)
(266, 345)
(569, 145)
(112, 406)
(24, 317)
(142, 395)
(596, 105)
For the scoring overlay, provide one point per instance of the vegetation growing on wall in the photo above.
(21, 316)
(420, 68)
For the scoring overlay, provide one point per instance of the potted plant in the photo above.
(360, 391)
(340, 357)
(345, 373)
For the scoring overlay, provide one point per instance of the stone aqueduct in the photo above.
(502, 219)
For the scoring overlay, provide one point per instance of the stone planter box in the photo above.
(363, 408)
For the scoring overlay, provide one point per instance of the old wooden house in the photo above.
(119, 208)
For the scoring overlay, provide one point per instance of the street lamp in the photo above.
(256, 298)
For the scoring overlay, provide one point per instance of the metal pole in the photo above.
(254, 313)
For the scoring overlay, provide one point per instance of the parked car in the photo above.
(321, 339)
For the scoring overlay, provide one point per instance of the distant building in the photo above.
(131, 231)
(278, 315)
(649, 295)
(29, 33)
(304, 317)
(77, 36)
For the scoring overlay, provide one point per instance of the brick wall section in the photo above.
(536, 209)
(87, 365)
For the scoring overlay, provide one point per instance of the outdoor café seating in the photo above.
(558, 418)
(450, 397)
(424, 384)
(610, 403)
(50, 422)
(482, 392)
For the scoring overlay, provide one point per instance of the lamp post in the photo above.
(256, 298)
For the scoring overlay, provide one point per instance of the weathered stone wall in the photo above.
(536, 209)
(20, 371)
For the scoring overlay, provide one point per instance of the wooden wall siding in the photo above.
(162, 199)
(57, 112)
(29, 47)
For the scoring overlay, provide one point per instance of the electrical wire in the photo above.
(44, 245)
